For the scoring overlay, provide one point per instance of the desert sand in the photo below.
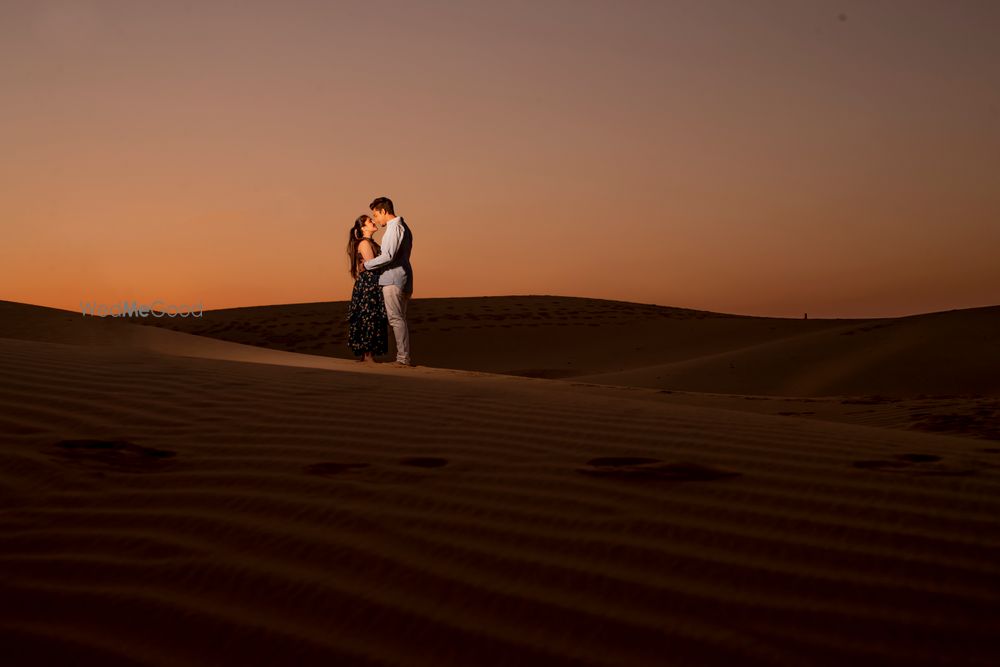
(562, 481)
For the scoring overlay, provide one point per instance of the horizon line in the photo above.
(550, 296)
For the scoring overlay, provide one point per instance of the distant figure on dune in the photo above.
(368, 334)
(396, 277)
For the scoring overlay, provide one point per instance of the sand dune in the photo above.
(171, 500)
(937, 372)
(530, 336)
(608, 342)
(952, 352)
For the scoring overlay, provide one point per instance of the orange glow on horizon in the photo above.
(725, 158)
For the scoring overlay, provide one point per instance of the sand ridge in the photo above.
(609, 342)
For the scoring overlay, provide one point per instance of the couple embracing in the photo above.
(383, 284)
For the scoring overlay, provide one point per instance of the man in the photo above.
(397, 278)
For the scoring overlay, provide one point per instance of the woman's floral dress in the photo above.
(369, 326)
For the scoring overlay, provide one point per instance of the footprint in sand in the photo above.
(118, 454)
(914, 464)
(642, 468)
(425, 462)
(919, 458)
(329, 468)
(372, 473)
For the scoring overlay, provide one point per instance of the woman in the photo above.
(369, 327)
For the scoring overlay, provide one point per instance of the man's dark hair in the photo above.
(382, 204)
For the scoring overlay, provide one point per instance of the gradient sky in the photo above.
(749, 156)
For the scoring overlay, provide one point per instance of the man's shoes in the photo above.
(400, 364)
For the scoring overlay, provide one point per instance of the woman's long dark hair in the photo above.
(357, 234)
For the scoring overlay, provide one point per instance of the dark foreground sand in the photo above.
(170, 499)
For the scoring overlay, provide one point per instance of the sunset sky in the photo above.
(748, 156)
